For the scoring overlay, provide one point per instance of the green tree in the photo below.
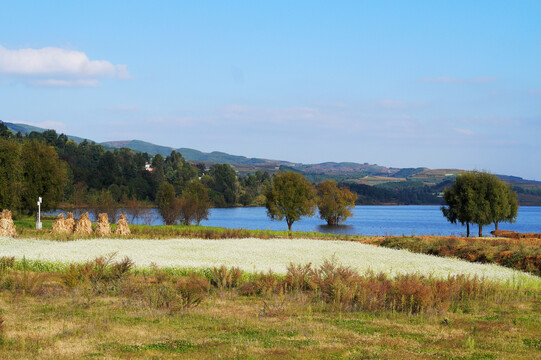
(479, 198)
(223, 182)
(10, 174)
(334, 203)
(195, 203)
(5, 133)
(168, 203)
(158, 174)
(44, 174)
(290, 196)
(504, 202)
(103, 202)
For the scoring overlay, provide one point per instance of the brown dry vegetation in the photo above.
(522, 254)
(102, 310)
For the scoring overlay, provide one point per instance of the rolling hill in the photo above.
(27, 129)
(368, 174)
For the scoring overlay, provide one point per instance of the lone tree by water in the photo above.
(168, 203)
(290, 196)
(479, 198)
(194, 203)
(334, 203)
(506, 204)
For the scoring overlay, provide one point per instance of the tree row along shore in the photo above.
(49, 166)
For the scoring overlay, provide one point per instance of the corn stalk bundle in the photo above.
(59, 226)
(103, 228)
(122, 227)
(83, 226)
(7, 227)
(70, 223)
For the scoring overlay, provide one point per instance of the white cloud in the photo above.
(124, 107)
(399, 104)
(451, 80)
(464, 131)
(57, 67)
(64, 83)
(534, 91)
(270, 115)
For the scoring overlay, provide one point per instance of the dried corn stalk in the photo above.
(83, 226)
(70, 223)
(122, 227)
(59, 226)
(103, 228)
(7, 227)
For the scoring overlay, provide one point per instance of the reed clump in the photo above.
(344, 289)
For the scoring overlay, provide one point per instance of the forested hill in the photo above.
(375, 184)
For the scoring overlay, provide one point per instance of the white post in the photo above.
(38, 224)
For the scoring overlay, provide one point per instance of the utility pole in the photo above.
(38, 223)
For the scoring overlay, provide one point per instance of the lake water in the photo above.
(368, 220)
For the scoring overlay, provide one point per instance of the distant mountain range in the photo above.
(27, 129)
(367, 174)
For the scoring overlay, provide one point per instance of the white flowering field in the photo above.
(255, 255)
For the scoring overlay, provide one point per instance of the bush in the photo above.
(193, 290)
(224, 278)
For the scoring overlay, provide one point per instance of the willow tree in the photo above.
(479, 198)
(290, 197)
(334, 203)
(460, 201)
(504, 202)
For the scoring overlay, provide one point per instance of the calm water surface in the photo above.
(373, 220)
(368, 220)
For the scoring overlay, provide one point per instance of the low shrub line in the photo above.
(339, 288)
(523, 254)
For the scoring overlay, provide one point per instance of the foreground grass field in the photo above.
(101, 309)
(229, 327)
(184, 306)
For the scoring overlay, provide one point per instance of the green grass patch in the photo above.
(175, 346)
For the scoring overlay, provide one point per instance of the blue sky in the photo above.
(402, 84)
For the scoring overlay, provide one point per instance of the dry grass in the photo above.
(521, 254)
(107, 312)
(252, 327)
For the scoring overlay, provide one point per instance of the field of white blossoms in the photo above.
(254, 255)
